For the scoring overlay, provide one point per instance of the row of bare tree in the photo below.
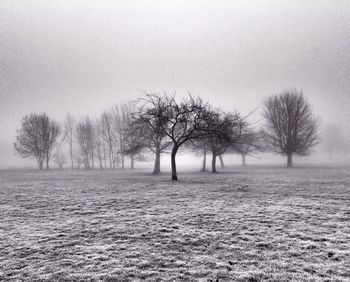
(157, 123)
(104, 141)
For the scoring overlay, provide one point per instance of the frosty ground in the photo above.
(242, 224)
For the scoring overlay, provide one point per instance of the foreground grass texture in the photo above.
(253, 224)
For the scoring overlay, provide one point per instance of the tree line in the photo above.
(160, 123)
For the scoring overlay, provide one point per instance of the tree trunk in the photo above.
(204, 166)
(156, 169)
(116, 160)
(47, 163)
(289, 160)
(122, 160)
(71, 155)
(104, 156)
(86, 161)
(110, 159)
(173, 163)
(101, 162)
(213, 164)
(100, 159)
(243, 160)
(221, 161)
(132, 161)
(40, 164)
(92, 159)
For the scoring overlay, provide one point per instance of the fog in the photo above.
(84, 57)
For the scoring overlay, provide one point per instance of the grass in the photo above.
(252, 224)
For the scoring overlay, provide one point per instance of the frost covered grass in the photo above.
(243, 224)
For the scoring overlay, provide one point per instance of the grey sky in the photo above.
(83, 57)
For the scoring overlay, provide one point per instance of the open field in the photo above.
(243, 224)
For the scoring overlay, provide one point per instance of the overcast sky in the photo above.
(84, 56)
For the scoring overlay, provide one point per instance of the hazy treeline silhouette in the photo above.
(159, 123)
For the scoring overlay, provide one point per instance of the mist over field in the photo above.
(83, 58)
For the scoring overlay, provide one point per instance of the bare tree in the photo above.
(60, 159)
(69, 127)
(37, 138)
(290, 126)
(148, 123)
(51, 131)
(29, 139)
(78, 159)
(92, 144)
(200, 148)
(122, 117)
(249, 143)
(107, 135)
(84, 132)
(225, 129)
(135, 141)
(99, 142)
(181, 122)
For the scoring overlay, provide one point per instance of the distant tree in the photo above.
(60, 159)
(250, 142)
(78, 159)
(107, 135)
(121, 122)
(92, 144)
(58, 155)
(225, 129)
(135, 141)
(69, 131)
(290, 126)
(200, 148)
(100, 145)
(84, 131)
(37, 138)
(147, 122)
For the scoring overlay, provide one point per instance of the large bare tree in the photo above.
(146, 119)
(37, 138)
(290, 125)
(181, 122)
